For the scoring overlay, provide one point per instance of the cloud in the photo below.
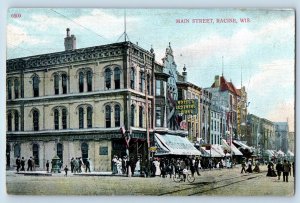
(106, 24)
(274, 76)
(17, 35)
(282, 112)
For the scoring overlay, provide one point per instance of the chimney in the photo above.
(184, 74)
(217, 81)
(70, 41)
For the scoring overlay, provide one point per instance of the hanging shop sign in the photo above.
(187, 107)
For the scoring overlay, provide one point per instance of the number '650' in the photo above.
(16, 15)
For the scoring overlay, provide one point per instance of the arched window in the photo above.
(35, 85)
(89, 117)
(35, 153)
(89, 79)
(132, 115)
(117, 77)
(9, 124)
(132, 78)
(56, 84)
(142, 81)
(9, 89)
(56, 119)
(59, 151)
(84, 152)
(148, 85)
(17, 150)
(16, 88)
(64, 83)
(81, 120)
(16, 117)
(81, 82)
(117, 115)
(107, 78)
(35, 114)
(64, 118)
(140, 116)
(107, 116)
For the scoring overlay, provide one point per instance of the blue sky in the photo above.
(262, 48)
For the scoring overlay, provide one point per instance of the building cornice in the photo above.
(76, 96)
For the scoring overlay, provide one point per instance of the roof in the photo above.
(225, 85)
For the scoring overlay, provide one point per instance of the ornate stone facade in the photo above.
(73, 103)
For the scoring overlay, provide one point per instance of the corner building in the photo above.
(73, 103)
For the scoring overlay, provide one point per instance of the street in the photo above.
(229, 182)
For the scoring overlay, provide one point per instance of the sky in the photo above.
(259, 54)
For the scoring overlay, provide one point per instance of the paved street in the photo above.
(215, 182)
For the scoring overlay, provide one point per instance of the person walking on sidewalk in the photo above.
(290, 167)
(249, 169)
(47, 166)
(279, 169)
(196, 165)
(243, 167)
(293, 167)
(22, 164)
(29, 164)
(286, 170)
(18, 163)
(72, 165)
(87, 166)
(66, 170)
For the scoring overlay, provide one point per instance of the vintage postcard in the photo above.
(155, 102)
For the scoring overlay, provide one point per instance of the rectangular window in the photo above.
(180, 93)
(9, 89)
(64, 119)
(140, 117)
(16, 87)
(158, 88)
(64, 84)
(188, 95)
(142, 81)
(158, 116)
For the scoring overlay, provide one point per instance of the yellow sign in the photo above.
(152, 149)
(187, 107)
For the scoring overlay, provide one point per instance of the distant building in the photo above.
(267, 134)
(215, 124)
(205, 103)
(227, 98)
(291, 141)
(253, 129)
(282, 132)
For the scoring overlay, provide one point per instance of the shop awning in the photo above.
(168, 144)
(280, 153)
(243, 146)
(269, 153)
(232, 148)
(215, 151)
(289, 153)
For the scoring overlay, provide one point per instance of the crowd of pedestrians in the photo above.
(285, 168)
(79, 166)
(20, 164)
(164, 167)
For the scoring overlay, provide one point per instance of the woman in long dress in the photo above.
(137, 169)
(119, 166)
(157, 168)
